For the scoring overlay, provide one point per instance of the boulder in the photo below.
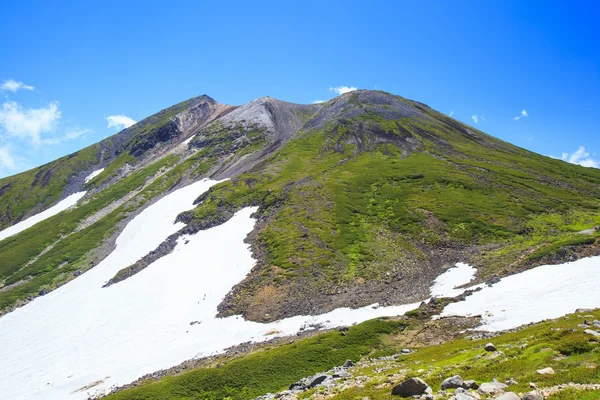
(546, 371)
(315, 380)
(533, 395)
(490, 347)
(470, 384)
(452, 382)
(489, 388)
(348, 364)
(410, 387)
(509, 396)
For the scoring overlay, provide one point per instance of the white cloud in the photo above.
(451, 113)
(119, 121)
(342, 89)
(523, 115)
(13, 86)
(318, 101)
(7, 160)
(475, 118)
(28, 123)
(581, 157)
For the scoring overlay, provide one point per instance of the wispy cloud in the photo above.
(28, 123)
(522, 115)
(119, 121)
(581, 157)
(451, 113)
(476, 118)
(71, 134)
(318, 101)
(342, 89)
(12, 86)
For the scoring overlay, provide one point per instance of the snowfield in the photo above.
(83, 339)
(93, 175)
(34, 219)
(545, 292)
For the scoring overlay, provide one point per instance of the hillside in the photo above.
(277, 217)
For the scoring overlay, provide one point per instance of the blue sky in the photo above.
(67, 67)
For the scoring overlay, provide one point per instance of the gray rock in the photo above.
(460, 390)
(511, 381)
(297, 386)
(348, 364)
(452, 383)
(533, 395)
(596, 323)
(509, 396)
(492, 388)
(410, 387)
(341, 373)
(470, 384)
(462, 396)
(315, 380)
(592, 332)
(490, 347)
(405, 351)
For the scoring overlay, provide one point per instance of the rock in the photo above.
(348, 364)
(452, 383)
(297, 386)
(492, 388)
(77, 273)
(342, 373)
(509, 396)
(592, 332)
(470, 384)
(315, 380)
(546, 371)
(596, 323)
(511, 381)
(410, 387)
(405, 351)
(462, 396)
(533, 395)
(490, 347)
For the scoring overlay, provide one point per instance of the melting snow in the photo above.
(58, 345)
(34, 219)
(82, 333)
(545, 292)
(93, 175)
(445, 284)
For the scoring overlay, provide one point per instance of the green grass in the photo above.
(523, 352)
(42, 186)
(268, 370)
(345, 212)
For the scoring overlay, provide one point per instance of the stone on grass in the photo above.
(546, 371)
(492, 388)
(348, 364)
(410, 387)
(490, 347)
(452, 383)
(470, 384)
(592, 332)
(533, 395)
(462, 396)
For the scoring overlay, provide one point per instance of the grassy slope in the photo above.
(524, 351)
(345, 213)
(42, 186)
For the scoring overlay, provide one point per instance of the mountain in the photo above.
(362, 199)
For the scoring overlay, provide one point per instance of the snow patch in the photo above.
(93, 175)
(188, 140)
(34, 219)
(545, 292)
(445, 284)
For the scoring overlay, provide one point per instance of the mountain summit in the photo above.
(362, 199)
